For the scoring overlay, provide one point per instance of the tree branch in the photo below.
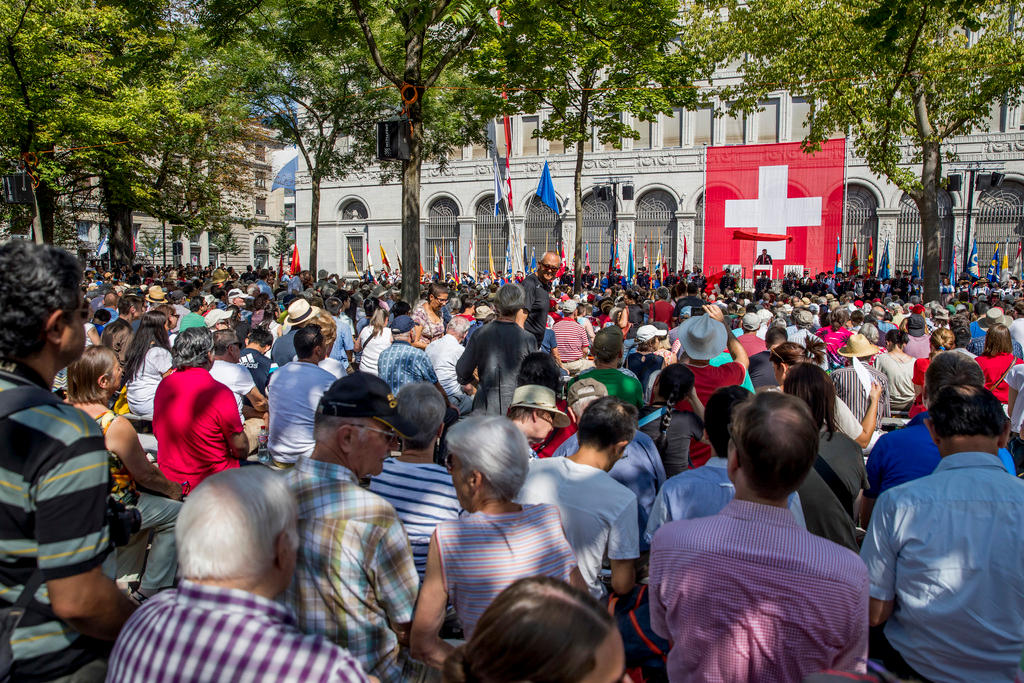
(371, 43)
(448, 56)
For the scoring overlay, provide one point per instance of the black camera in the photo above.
(123, 522)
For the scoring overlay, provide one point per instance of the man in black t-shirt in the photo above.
(254, 357)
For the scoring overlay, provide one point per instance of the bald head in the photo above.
(548, 266)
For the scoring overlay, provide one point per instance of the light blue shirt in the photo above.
(344, 341)
(640, 469)
(701, 492)
(948, 549)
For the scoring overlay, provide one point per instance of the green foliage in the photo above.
(282, 242)
(225, 243)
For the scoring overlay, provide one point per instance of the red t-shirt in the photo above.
(995, 369)
(920, 367)
(707, 380)
(662, 312)
(193, 417)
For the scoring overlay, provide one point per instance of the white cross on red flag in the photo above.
(773, 197)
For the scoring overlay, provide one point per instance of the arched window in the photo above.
(998, 221)
(354, 210)
(597, 232)
(908, 234)
(261, 251)
(656, 228)
(540, 230)
(491, 236)
(442, 235)
(861, 227)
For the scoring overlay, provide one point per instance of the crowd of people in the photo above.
(211, 475)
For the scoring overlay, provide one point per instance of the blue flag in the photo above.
(533, 260)
(883, 266)
(915, 270)
(546, 189)
(629, 265)
(972, 262)
(993, 267)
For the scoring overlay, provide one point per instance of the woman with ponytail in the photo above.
(673, 430)
(541, 629)
(942, 339)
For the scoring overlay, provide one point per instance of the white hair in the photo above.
(494, 447)
(458, 326)
(228, 526)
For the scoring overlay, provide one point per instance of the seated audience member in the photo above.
(704, 491)
(849, 387)
(237, 545)
(254, 357)
(608, 350)
(444, 354)
(541, 369)
(472, 559)
(355, 580)
(420, 490)
(293, 394)
(910, 453)
(147, 362)
(540, 629)
(573, 342)
(762, 373)
(828, 493)
(753, 554)
(673, 430)
(252, 404)
(535, 413)
(599, 514)
(645, 362)
(944, 551)
(91, 383)
(196, 419)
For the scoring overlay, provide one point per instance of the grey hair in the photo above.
(510, 299)
(458, 326)
(579, 406)
(663, 293)
(192, 348)
(870, 332)
(421, 404)
(494, 447)
(229, 525)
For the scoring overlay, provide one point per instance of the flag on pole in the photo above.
(455, 264)
(490, 258)
(883, 263)
(398, 257)
(993, 267)
(871, 257)
(296, 266)
(533, 260)
(915, 270)
(508, 254)
(384, 263)
(546, 189)
(686, 253)
(498, 193)
(508, 162)
(972, 262)
(369, 263)
(1005, 273)
(355, 264)
(586, 252)
(839, 258)
(953, 267)
(854, 264)
(657, 265)
(647, 262)
(630, 265)
(1017, 262)
(471, 269)
(618, 264)
(561, 258)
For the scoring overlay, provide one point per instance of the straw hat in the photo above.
(156, 295)
(858, 346)
(299, 312)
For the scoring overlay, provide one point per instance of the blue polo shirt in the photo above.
(907, 454)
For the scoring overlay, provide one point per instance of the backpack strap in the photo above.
(830, 477)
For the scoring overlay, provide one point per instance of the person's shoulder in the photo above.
(58, 422)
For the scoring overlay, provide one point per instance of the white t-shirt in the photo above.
(599, 515)
(1017, 331)
(142, 389)
(333, 366)
(235, 377)
(846, 421)
(1015, 378)
(293, 393)
(89, 327)
(373, 348)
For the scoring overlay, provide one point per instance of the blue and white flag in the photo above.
(972, 262)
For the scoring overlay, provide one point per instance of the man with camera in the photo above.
(55, 480)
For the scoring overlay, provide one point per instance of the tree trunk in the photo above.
(119, 223)
(411, 208)
(577, 193)
(927, 201)
(314, 224)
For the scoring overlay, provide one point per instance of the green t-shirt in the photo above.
(619, 384)
(191, 320)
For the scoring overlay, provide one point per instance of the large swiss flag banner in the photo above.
(773, 197)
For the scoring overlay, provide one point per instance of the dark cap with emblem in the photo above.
(364, 395)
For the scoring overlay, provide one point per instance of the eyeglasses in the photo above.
(389, 433)
(545, 266)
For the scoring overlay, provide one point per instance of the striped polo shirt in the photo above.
(423, 496)
(54, 483)
(572, 339)
(482, 554)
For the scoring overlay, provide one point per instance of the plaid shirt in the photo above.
(206, 633)
(355, 574)
(402, 363)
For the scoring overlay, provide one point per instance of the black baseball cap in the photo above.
(364, 395)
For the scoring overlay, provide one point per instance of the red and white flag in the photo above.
(774, 198)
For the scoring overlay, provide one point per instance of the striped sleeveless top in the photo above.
(482, 554)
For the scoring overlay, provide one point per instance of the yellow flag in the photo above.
(355, 266)
(490, 256)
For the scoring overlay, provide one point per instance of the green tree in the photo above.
(915, 72)
(590, 62)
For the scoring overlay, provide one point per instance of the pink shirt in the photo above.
(748, 595)
(193, 417)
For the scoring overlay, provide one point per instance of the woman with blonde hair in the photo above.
(92, 380)
(329, 329)
(373, 339)
(942, 339)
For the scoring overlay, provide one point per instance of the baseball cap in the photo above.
(364, 395)
(215, 316)
(568, 306)
(541, 398)
(585, 388)
(402, 324)
(751, 321)
(916, 326)
(607, 342)
(648, 332)
(237, 293)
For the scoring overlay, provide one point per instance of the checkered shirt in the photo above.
(402, 363)
(355, 573)
(198, 633)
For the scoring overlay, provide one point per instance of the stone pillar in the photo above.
(467, 234)
(687, 222)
